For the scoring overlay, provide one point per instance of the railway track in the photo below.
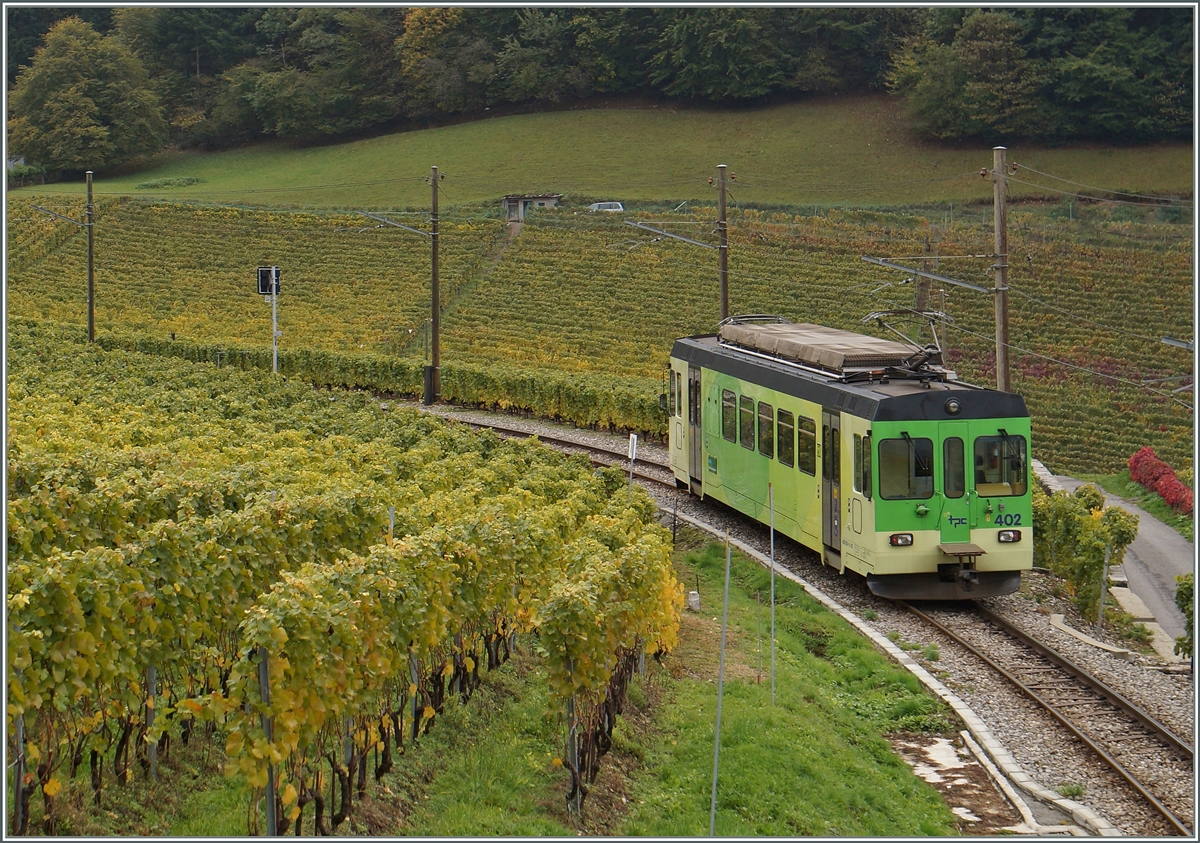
(1153, 766)
(651, 471)
(1146, 755)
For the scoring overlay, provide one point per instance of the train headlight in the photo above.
(1009, 536)
(901, 539)
(953, 407)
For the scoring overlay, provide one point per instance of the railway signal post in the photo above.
(268, 288)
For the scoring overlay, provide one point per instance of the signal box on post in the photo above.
(265, 275)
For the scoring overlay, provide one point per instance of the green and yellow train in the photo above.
(868, 451)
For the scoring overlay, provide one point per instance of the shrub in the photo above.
(1149, 471)
(1184, 599)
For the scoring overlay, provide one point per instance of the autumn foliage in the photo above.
(1149, 471)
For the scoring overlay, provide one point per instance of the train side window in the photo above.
(826, 453)
(1000, 465)
(728, 415)
(674, 390)
(954, 467)
(747, 422)
(766, 430)
(786, 438)
(679, 396)
(806, 446)
(906, 469)
(857, 480)
(862, 465)
(868, 475)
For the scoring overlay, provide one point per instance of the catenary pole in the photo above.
(90, 212)
(1000, 180)
(723, 242)
(436, 294)
(771, 503)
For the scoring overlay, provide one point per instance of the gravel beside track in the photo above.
(1038, 743)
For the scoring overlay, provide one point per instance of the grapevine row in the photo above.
(122, 558)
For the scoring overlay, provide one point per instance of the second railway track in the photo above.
(1147, 756)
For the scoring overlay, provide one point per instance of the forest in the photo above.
(95, 88)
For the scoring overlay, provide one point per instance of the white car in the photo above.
(613, 207)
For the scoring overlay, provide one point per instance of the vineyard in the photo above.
(312, 572)
(575, 317)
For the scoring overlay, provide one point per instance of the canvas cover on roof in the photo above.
(816, 345)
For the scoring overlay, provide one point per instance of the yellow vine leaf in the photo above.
(52, 787)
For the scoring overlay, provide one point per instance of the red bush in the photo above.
(1149, 471)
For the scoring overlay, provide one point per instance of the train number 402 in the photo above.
(1008, 519)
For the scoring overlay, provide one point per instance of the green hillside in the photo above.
(853, 150)
(574, 316)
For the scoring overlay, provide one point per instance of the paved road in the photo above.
(1152, 561)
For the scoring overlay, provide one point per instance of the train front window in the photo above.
(729, 415)
(786, 437)
(746, 407)
(1000, 465)
(905, 469)
(766, 430)
(955, 467)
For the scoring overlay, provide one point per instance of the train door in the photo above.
(956, 505)
(831, 480)
(695, 433)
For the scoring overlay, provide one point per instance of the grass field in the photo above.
(832, 150)
(582, 297)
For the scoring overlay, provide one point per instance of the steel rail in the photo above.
(1102, 753)
(1160, 731)
(616, 456)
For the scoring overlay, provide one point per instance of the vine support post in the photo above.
(19, 779)
(152, 690)
(575, 805)
(1103, 587)
(512, 635)
(18, 825)
(264, 690)
(412, 672)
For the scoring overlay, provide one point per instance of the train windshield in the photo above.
(906, 469)
(1000, 465)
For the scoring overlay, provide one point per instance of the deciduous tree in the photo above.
(84, 103)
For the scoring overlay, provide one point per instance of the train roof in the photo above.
(830, 349)
(845, 371)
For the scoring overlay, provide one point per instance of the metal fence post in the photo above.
(712, 819)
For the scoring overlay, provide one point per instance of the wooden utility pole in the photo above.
(1000, 180)
(89, 213)
(434, 390)
(723, 243)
